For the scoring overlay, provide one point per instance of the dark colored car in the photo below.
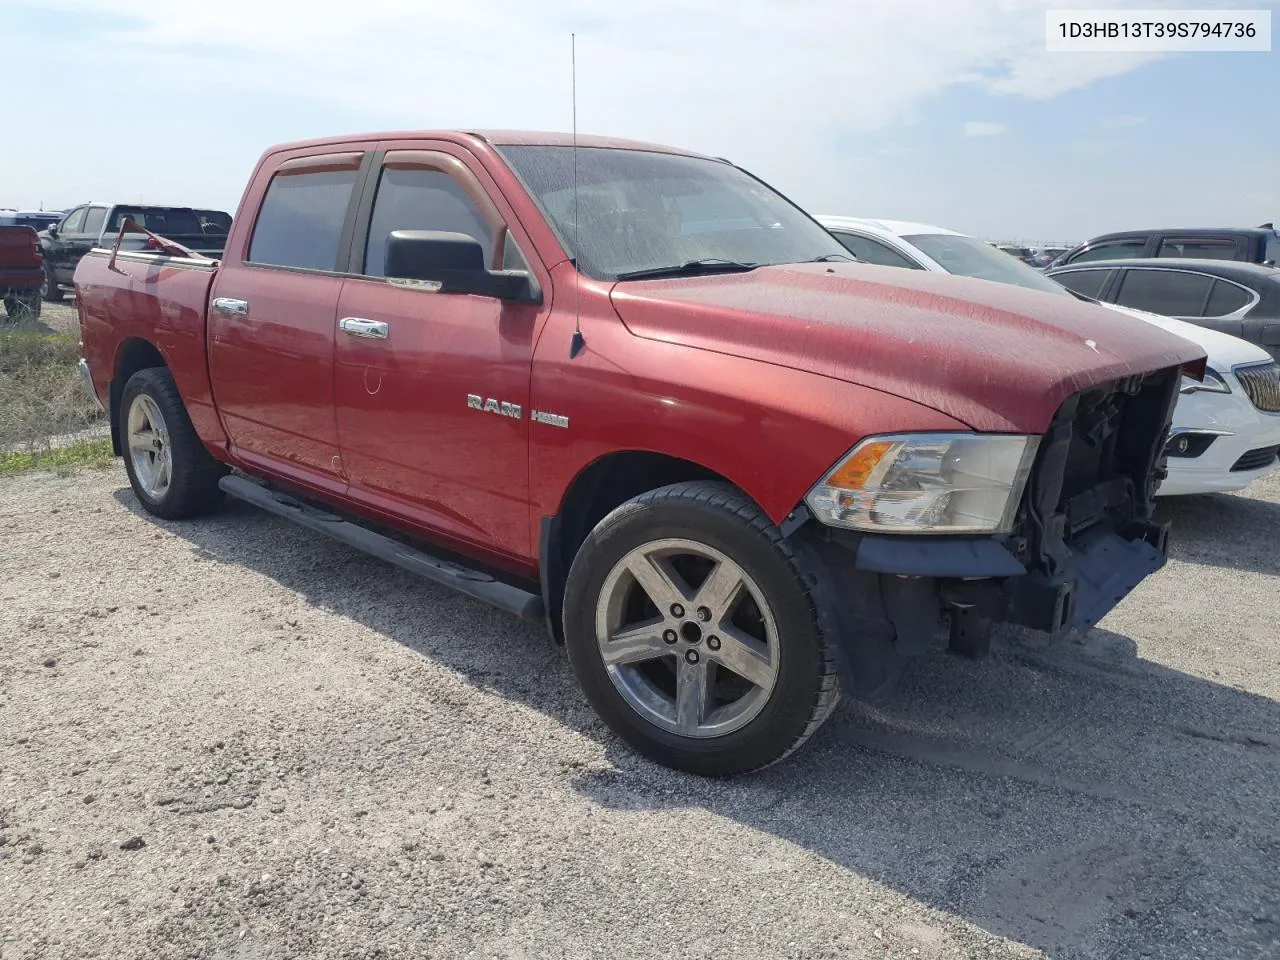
(96, 225)
(1248, 244)
(36, 219)
(20, 272)
(1242, 299)
(215, 222)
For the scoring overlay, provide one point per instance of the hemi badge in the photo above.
(551, 419)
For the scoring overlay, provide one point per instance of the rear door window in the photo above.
(1115, 250)
(300, 223)
(1171, 293)
(1088, 283)
(873, 251)
(1198, 248)
(1226, 298)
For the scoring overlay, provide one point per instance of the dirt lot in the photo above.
(234, 739)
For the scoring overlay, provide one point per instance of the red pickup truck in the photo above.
(21, 272)
(636, 394)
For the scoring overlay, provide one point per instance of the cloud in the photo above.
(680, 71)
(1123, 121)
(982, 128)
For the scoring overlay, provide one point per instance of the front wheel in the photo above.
(691, 630)
(169, 468)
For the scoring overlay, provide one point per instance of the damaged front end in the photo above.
(1080, 539)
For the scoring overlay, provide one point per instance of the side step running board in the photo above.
(473, 583)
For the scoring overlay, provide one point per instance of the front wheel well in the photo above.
(602, 486)
(133, 355)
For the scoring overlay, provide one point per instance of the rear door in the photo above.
(273, 315)
(432, 389)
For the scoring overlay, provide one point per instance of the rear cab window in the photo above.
(302, 217)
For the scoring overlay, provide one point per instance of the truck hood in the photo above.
(993, 356)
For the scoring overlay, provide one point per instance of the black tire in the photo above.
(50, 291)
(193, 485)
(721, 517)
(22, 307)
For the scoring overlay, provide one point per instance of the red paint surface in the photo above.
(766, 378)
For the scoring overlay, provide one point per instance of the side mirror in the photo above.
(453, 263)
(52, 229)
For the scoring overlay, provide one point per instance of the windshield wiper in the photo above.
(834, 258)
(690, 268)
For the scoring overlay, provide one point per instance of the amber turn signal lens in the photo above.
(853, 473)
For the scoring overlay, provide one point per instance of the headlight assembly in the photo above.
(927, 483)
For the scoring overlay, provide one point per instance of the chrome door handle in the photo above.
(229, 307)
(360, 327)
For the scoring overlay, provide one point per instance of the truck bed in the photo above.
(150, 299)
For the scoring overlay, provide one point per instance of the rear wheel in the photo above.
(692, 633)
(170, 471)
(49, 288)
(22, 307)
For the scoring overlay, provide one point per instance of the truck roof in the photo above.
(541, 138)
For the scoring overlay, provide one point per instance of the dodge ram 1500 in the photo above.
(638, 395)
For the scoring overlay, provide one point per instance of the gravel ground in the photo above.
(234, 739)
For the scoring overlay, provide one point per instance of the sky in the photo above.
(948, 112)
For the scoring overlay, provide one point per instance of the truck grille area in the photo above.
(1085, 535)
(1261, 383)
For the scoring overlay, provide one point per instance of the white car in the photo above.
(1226, 430)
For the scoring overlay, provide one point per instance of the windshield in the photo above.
(166, 221)
(639, 210)
(968, 257)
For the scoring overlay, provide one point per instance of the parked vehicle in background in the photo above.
(97, 224)
(1241, 299)
(36, 219)
(1019, 253)
(214, 222)
(1259, 244)
(20, 273)
(1226, 429)
(590, 373)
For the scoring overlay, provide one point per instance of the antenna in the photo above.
(578, 342)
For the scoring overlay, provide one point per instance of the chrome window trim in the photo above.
(1233, 315)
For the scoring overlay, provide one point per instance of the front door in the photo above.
(432, 389)
(273, 315)
(58, 249)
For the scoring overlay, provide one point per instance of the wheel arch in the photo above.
(133, 354)
(597, 489)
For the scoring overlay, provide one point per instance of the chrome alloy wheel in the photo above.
(687, 638)
(149, 447)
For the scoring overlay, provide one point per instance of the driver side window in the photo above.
(73, 222)
(422, 198)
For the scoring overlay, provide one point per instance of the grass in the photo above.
(47, 417)
(62, 460)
